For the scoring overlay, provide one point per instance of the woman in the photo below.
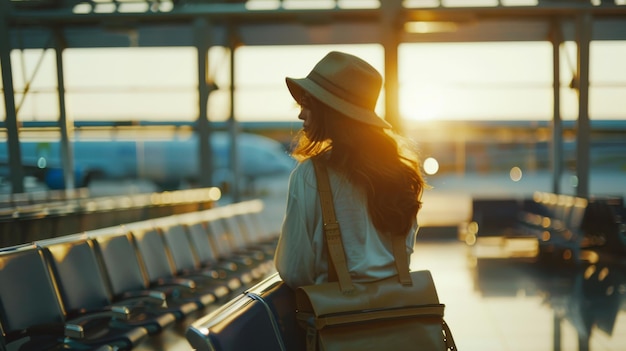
(375, 179)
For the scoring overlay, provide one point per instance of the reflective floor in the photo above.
(510, 304)
(498, 297)
(494, 302)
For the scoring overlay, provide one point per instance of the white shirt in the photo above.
(300, 258)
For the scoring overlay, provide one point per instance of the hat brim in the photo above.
(298, 85)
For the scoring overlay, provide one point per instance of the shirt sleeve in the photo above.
(295, 254)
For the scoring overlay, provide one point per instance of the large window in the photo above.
(438, 81)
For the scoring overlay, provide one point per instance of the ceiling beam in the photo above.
(33, 28)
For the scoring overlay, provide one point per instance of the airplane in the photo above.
(167, 163)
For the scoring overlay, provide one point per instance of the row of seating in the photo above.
(560, 226)
(555, 221)
(27, 219)
(114, 287)
(8, 199)
(604, 227)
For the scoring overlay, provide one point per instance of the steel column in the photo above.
(584, 26)
(232, 121)
(557, 124)
(15, 155)
(202, 37)
(390, 27)
(66, 124)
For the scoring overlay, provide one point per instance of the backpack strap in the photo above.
(337, 264)
(402, 259)
(332, 233)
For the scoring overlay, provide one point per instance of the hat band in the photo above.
(336, 90)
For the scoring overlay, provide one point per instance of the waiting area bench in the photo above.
(550, 226)
(34, 216)
(116, 287)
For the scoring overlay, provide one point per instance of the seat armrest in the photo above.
(178, 282)
(77, 327)
(43, 329)
(146, 297)
(228, 266)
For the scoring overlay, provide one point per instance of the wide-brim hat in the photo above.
(346, 84)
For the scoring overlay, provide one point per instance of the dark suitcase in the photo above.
(262, 318)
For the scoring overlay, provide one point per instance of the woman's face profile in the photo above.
(311, 114)
(305, 112)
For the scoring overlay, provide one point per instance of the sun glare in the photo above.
(421, 104)
(431, 166)
(516, 174)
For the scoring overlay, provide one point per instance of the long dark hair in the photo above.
(381, 163)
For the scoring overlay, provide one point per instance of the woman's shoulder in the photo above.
(303, 173)
(305, 169)
(305, 166)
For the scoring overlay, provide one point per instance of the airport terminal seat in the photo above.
(530, 217)
(231, 245)
(604, 227)
(160, 271)
(209, 254)
(554, 220)
(176, 236)
(261, 317)
(125, 276)
(254, 226)
(32, 316)
(246, 246)
(83, 289)
(221, 244)
(27, 223)
(495, 217)
(248, 240)
(176, 242)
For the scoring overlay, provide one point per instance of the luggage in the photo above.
(261, 318)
